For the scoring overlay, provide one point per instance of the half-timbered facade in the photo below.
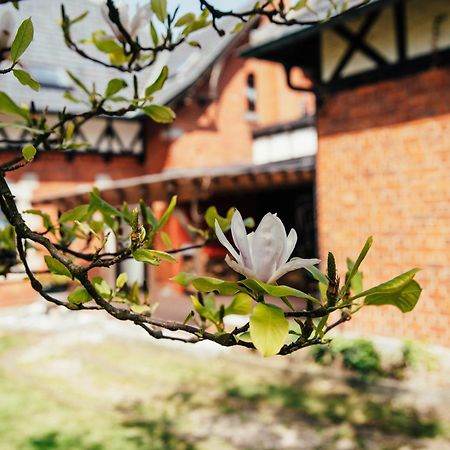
(381, 75)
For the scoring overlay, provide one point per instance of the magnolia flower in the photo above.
(264, 253)
(141, 18)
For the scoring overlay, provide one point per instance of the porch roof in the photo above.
(188, 184)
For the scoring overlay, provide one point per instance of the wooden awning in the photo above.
(200, 184)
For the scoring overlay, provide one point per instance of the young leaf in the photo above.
(405, 299)
(159, 83)
(160, 114)
(102, 288)
(358, 262)
(268, 328)
(114, 86)
(153, 257)
(79, 295)
(391, 286)
(22, 40)
(185, 20)
(97, 203)
(276, 291)
(183, 278)
(241, 305)
(165, 238)
(8, 106)
(154, 34)
(56, 267)
(210, 284)
(25, 79)
(159, 7)
(121, 280)
(29, 152)
(78, 82)
(78, 213)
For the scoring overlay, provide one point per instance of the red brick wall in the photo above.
(383, 170)
(219, 134)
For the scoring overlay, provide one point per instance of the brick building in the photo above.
(382, 77)
(245, 135)
(225, 107)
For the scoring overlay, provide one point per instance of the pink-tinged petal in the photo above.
(250, 238)
(224, 241)
(291, 240)
(239, 268)
(141, 18)
(268, 244)
(240, 239)
(293, 264)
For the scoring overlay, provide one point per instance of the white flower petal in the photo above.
(293, 264)
(141, 18)
(291, 240)
(224, 241)
(267, 246)
(239, 268)
(240, 239)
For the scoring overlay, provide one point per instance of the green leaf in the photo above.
(68, 95)
(159, 83)
(358, 262)
(276, 291)
(56, 267)
(102, 288)
(241, 305)
(160, 114)
(114, 86)
(317, 275)
(29, 152)
(405, 299)
(78, 213)
(69, 131)
(391, 286)
(79, 295)
(185, 20)
(210, 284)
(211, 215)
(79, 18)
(121, 280)
(154, 34)
(8, 106)
(268, 328)
(22, 40)
(152, 256)
(165, 238)
(97, 203)
(164, 218)
(25, 79)
(183, 278)
(356, 285)
(208, 310)
(141, 309)
(159, 7)
(78, 82)
(299, 5)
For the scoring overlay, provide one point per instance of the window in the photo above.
(250, 94)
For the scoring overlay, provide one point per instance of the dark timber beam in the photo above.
(357, 43)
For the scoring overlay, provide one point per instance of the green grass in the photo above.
(126, 395)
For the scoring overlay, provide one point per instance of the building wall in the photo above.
(383, 170)
(220, 133)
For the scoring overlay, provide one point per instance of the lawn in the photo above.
(82, 391)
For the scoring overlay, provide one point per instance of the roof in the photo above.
(324, 13)
(194, 183)
(48, 58)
